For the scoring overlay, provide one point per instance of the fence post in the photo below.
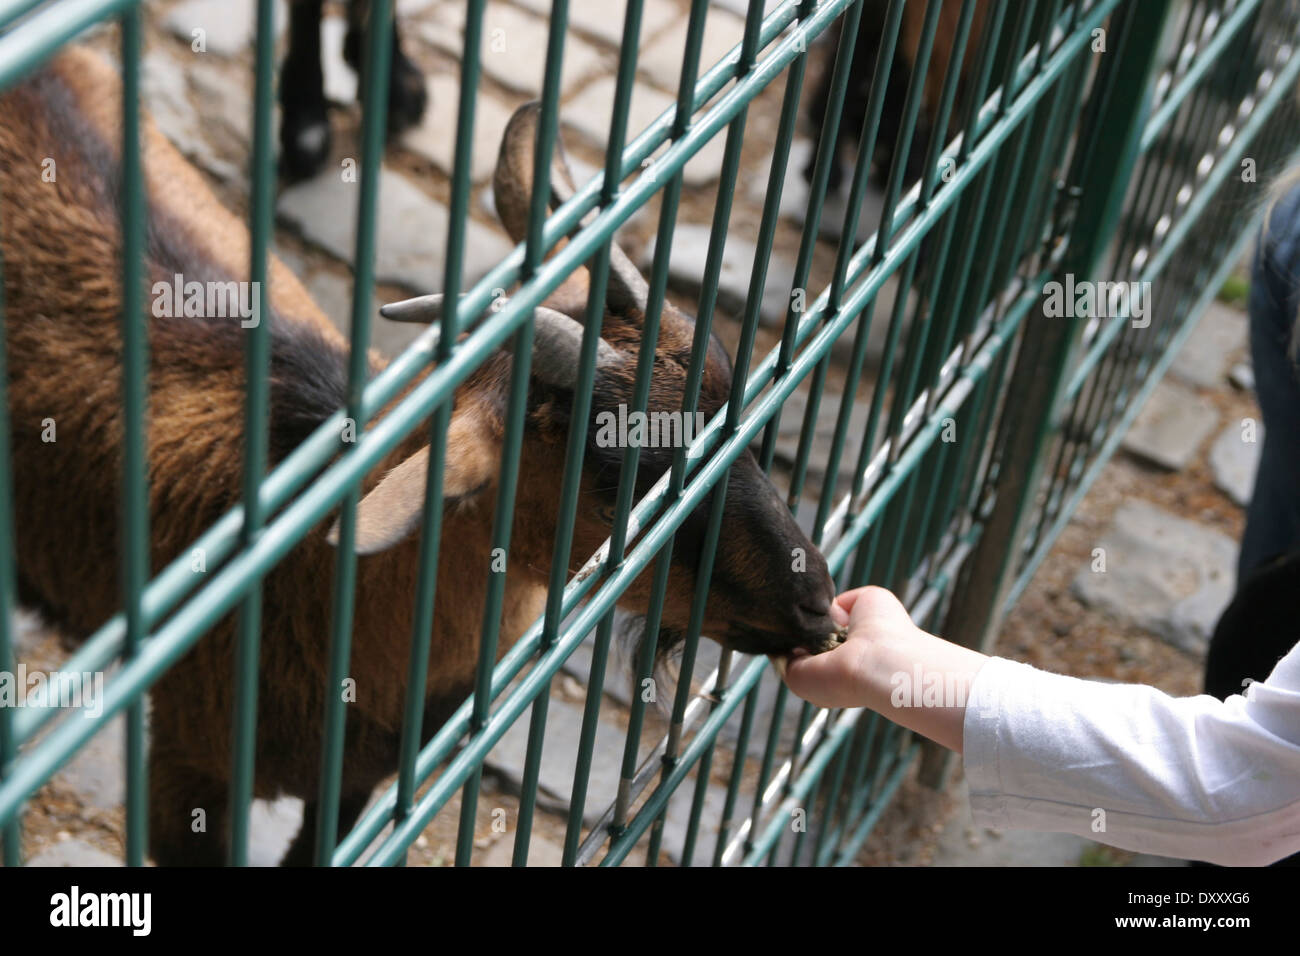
(1033, 396)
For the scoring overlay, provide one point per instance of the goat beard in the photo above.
(666, 663)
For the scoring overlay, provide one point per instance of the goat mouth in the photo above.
(747, 639)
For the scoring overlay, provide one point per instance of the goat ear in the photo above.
(391, 511)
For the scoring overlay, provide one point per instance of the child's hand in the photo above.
(840, 678)
(883, 646)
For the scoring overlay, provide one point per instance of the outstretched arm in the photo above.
(1122, 764)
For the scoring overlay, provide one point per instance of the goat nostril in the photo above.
(816, 610)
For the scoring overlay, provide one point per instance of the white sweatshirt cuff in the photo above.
(982, 737)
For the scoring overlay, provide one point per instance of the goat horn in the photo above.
(627, 287)
(557, 345)
(557, 338)
(512, 184)
(422, 308)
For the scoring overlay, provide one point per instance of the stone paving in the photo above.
(1166, 573)
(1171, 427)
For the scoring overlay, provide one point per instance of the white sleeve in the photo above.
(1130, 766)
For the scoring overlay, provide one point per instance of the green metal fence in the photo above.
(1100, 140)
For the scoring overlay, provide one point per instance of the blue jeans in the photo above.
(1259, 627)
(1273, 517)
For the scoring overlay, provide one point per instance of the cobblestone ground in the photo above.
(1065, 622)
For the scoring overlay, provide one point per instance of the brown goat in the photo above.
(61, 247)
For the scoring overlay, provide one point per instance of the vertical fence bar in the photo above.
(534, 253)
(771, 208)
(923, 319)
(431, 519)
(855, 773)
(739, 756)
(904, 285)
(1003, 177)
(256, 376)
(830, 805)
(740, 373)
(135, 464)
(690, 402)
(374, 114)
(968, 217)
(645, 367)
(570, 485)
(826, 157)
(880, 81)
(505, 502)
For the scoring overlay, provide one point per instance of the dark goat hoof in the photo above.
(304, 144)
(407, 97)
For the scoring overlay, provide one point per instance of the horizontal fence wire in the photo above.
(952, 265)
